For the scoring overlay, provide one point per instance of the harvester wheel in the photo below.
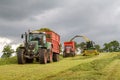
(84, 54)
(55, 57)
(43, 56)
(20, 56)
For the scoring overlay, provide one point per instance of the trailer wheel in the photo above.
(64, 54)
(20, 56)
(43, 56)
(55, 57)
(73, 54)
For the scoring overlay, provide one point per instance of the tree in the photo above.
(112, 46)
(106, 47)
(82, 46)
(97, 47)
(115, 46)
(7, 51)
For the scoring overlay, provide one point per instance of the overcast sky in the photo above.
(99, 20)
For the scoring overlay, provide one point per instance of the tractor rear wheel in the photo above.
(20, 56)
(43, 56)
(50, 56)
(55, 57)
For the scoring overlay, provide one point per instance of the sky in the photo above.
(99, 20)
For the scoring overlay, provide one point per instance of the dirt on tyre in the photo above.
(20, 56)
(50, 56)
(55, 57)
(43, 56)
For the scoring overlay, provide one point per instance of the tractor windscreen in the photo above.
(35, 37)
(39, 37)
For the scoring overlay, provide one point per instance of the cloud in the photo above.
(97, 19)
(19, 10)
(5, 41)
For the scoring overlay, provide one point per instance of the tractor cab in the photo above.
(34, 40)
(38, 38)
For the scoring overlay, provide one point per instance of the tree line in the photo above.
(113, 46)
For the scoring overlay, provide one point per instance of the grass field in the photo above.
(105, 66)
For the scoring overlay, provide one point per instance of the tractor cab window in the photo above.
(35, 37)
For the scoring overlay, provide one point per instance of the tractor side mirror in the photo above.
(22, 36)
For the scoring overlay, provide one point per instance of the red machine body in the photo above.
(54, 38)
(69, 49)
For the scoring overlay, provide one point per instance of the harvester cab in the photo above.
(90, 44)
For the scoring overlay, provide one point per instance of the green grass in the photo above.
(95, 64)
(99, 67)
(4, 61)
(93, 70)
(13, 60)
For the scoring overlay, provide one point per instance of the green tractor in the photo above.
(35, 47)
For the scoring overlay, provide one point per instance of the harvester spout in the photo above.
(84, 37)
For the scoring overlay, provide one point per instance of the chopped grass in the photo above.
(89, 71)
(72, 68)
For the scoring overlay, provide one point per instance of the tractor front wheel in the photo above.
(43, 56)
(20, 56)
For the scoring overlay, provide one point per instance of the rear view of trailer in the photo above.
(69, 49)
